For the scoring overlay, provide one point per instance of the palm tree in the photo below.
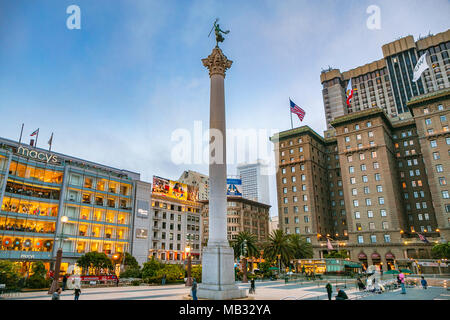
(302, 249)
(245, 245)
(279, 246)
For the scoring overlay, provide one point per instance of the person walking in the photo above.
(57, 294)
(117, 281)
(64, 282)
(77, 293)
(252, 286)
(424, 282)
(341, 295)
(163, 280)
(401, 278)
(361, 285)
(194, 289)
(329, 290)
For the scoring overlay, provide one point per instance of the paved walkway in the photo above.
(270, 290)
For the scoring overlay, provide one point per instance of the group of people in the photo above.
(23, 228)
(57, 294)
(341, 293)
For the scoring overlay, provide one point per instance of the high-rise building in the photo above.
(242, 215)
(255, 181)
(373, 186)
(273, 224)
(39, 187)
(175, 224)
(198, 180)
(387, 83)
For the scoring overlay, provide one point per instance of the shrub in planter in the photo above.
(38, 279)
(9, 274)
(136, 282)
(131, 273)
(196, 272)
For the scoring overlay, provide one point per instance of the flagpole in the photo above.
(21, 131)
(37, 136)
(290, 111)
(51, 142)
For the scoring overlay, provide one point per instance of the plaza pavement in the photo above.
(268, 290)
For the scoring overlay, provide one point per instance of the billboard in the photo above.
(174, 189)
(234, 187)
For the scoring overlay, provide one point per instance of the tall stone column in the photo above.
(218, 257)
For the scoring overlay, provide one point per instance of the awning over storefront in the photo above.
(353, 266)
(362, 255)
(390, 256)
(375, 255)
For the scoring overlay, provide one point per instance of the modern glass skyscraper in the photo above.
(255, 181)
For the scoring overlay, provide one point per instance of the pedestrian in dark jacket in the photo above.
(329, 290)
(341, 295)
(64, 282)
(361, 285)
(77, 293)
(194, 289)
(252, 286)
(424, 282)
(163, 280)
(57, 294)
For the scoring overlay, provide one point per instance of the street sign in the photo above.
(2, 285)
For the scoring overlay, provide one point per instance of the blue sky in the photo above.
(114, 91)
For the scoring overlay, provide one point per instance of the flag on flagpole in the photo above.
(35, 132)
(349, 92)
(422, 237)
(329, 246)
(420, 67)
(297, 110)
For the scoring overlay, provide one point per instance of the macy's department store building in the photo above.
(38, 187)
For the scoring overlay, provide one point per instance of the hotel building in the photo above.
(373, 185)
(198, 180)
(38, 187)
(242, 215)
(387, 83)
(175, 225)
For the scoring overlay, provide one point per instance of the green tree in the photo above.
(150, 268)
(95, 260)
(196, 272)
(131, 266)
(302, 249)
(279, 244)
(245, 245)
(38, 279)
(130, 261)
(341, 254)
(9, 274)
(441, 251)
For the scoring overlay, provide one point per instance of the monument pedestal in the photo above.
(218, 277)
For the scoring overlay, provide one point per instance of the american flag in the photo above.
(329, 246)
(297, 110)
(422, 237)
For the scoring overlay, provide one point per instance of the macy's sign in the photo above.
(47, 157)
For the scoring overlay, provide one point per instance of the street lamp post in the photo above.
(244, 262)
(279, 263)
(188, 257)
(55, 283)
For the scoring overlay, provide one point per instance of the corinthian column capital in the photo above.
(217, 62)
